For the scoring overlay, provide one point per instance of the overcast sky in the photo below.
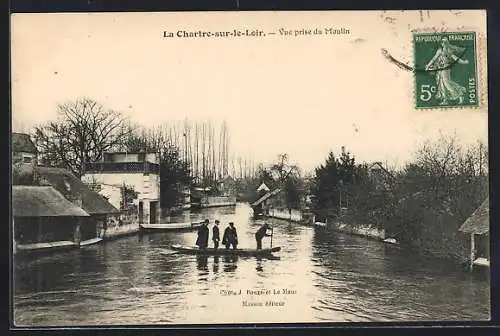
(300, 95)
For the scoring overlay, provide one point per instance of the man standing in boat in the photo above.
(203, 233)
(215, 234)
(261, 233)
(230, 236)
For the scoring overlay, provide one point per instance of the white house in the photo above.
(141, 171)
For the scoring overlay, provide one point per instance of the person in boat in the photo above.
(261, 233)
(230, 236)
(215, 234)
(203, 233)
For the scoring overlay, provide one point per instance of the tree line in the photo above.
(190, 152)
(422, 205)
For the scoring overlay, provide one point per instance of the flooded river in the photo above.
(320, 277)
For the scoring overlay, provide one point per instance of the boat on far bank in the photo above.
(186, 226)
(35, 248)
(92, 241)
(482, 262)
(391, 241)
(321, 224)
(224, 251)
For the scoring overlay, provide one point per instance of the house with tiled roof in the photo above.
(21, 143)
(72, 188)
(24, 153)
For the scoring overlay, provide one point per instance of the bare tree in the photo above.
(84, 131)
(282, 169)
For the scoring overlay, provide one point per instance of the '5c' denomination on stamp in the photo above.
(445, 69)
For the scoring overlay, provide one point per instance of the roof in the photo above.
(263, 186)
(479, 221)
(21, 142)
(377, 166)
(35, 201)
(72, 187)
(266, 196)
(131, 152)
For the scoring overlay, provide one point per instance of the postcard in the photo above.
(249, 167)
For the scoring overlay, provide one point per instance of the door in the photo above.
(141, 212)
(152, 212)
(100, 227)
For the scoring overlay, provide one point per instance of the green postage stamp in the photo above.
(445, 70)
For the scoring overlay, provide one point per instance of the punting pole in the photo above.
(472, 251)
(272, 234)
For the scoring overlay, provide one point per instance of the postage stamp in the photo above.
(445, 65)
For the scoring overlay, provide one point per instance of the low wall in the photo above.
(121, 230)
(294, 215)
(214, 201)
(121, 225)
(364, 230)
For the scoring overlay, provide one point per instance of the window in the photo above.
(27, 159)
(107, 157)
(142, 157)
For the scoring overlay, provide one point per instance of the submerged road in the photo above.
(320, 277)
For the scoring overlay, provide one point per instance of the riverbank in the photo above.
(115, 232)
(456, 253)
(366, 230)
(371, 232)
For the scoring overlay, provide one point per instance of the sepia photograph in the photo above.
(179, 168)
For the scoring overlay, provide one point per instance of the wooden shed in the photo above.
(44, 219)
(73, 189)
(478, 227)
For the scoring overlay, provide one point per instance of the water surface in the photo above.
(328, 277)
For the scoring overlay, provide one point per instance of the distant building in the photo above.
(141, 171)
(70, 186)
(23, 149)
(43, 219)
(273, 204)
(227, 186)
(381, 177)
(24, 155)
(478, 227)
(261, 205)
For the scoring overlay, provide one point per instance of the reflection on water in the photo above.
(319, 276)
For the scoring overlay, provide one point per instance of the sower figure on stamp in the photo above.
(215, 234)
(203, 233)
(261, 233)
(230, 236)
(446, 56)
